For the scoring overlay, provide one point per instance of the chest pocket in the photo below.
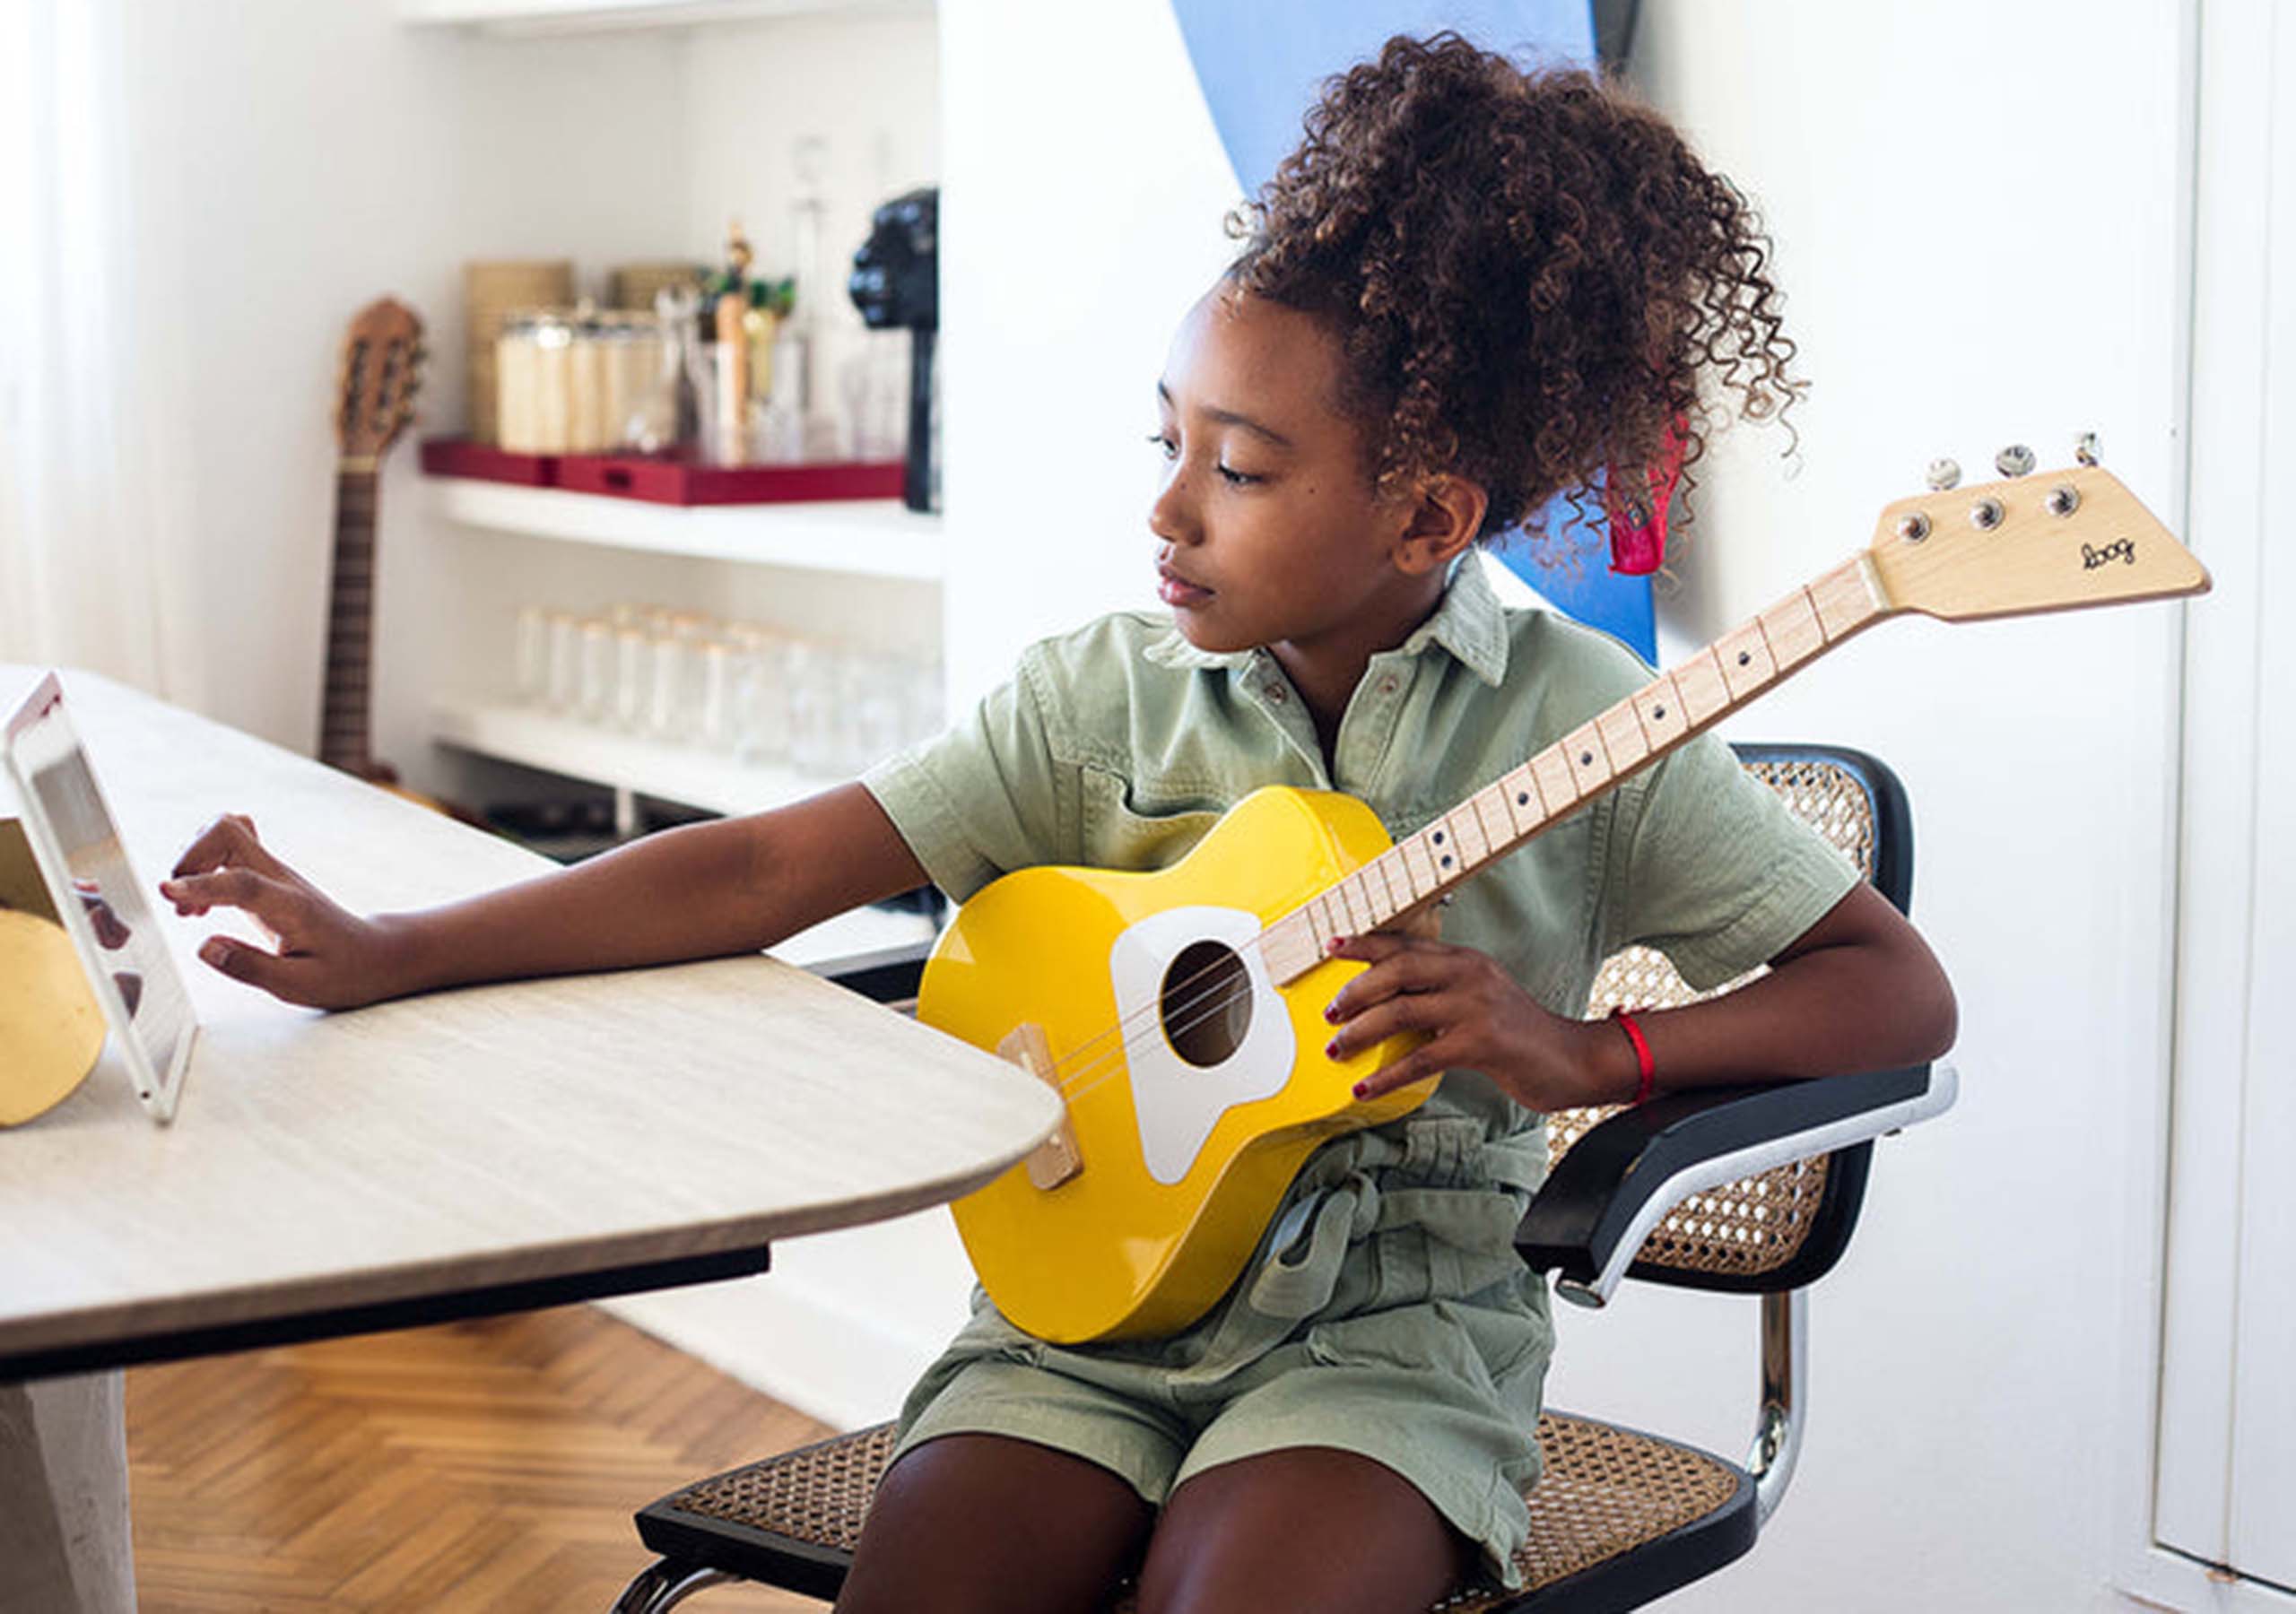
(1120, 832)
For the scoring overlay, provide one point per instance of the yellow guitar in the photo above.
(1180, 1012)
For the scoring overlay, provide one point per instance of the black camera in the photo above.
(896, 282)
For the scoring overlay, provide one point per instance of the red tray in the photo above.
(459, 457)
(666, 480)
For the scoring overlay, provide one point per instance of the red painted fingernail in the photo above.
(1331, 1012)
(1335, 944)
(1331, 1049)
(1362, 1089)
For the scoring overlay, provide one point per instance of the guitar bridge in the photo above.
(1056, 1159)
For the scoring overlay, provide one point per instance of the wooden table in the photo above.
(476, 1150)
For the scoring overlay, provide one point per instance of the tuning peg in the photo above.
(1945, 473)
(2084, 448)
(2015, 460)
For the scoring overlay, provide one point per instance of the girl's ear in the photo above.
(1445, 518)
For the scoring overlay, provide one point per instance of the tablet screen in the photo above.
(99, 898)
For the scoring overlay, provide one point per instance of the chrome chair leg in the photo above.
(1785, 1370)
(666, 1583)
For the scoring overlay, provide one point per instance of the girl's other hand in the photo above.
(1476, 1017)
(327, 958)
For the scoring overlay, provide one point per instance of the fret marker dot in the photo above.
(1439, 837)
(1447, 860)
(1522, 799)
(1586, 758)
(1657, 714)
(1746, 657)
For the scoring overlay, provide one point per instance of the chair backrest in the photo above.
(1788, 1226)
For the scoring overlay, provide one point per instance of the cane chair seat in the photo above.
(1606, 1491)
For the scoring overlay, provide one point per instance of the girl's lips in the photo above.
(1178, 592)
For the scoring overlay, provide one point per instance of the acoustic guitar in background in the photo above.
(381, 371)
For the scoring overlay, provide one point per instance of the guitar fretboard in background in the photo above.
(1621, 741)
(345, 740)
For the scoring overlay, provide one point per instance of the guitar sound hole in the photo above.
(1206, 1003)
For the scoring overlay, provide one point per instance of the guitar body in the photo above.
(1188, 1133)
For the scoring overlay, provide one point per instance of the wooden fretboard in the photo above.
(1630, 736)
(344, 740)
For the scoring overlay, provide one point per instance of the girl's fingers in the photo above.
(230, 842)
(1431, 1058)
(1409, 964)
(243, 961)
(1411, 1012)
(271, 902)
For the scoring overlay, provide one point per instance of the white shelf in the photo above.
(710, 780)
(862, 537)
(583, 16)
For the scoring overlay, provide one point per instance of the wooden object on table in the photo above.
(491, 293)
(50, 1028)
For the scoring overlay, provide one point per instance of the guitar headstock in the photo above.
(382, 370)
(2034, 542)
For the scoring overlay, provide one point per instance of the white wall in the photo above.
(326, 155)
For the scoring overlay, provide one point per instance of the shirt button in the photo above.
(1275, 693)
(1388, 684)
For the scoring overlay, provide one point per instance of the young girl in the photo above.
(1470, 290)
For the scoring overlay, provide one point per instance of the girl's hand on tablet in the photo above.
(327, 957)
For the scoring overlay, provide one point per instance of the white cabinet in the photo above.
(861, 543)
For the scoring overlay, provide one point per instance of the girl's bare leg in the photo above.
(976, 1523)
(1306, 1528)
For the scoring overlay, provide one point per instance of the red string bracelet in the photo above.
(1649, 1070)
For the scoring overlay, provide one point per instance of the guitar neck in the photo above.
(344, 740)
(1630, 736)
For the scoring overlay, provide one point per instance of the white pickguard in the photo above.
(1178, 1104)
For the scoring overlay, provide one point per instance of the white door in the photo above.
(2225, 1490)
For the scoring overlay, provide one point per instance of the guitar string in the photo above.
(1074, 1079)
(1129, 1034)
(1082, 1068)
(1064, 1074)
(1088, 1058)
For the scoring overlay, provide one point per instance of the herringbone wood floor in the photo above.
(476, 1467)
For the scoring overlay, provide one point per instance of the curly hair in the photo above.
(1529, 274)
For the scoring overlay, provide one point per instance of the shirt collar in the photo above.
(1470, 624)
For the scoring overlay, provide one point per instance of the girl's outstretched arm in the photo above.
(704, 890)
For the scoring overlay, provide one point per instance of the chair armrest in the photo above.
(889, 974)
(1589, 1218)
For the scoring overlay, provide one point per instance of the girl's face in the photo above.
(1271, 533)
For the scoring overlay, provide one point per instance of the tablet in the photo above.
(99, 898)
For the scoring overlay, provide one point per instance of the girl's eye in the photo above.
(1233, 478)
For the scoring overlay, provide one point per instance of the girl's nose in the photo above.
(1170, 517)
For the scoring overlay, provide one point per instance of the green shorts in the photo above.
(1386, 1313)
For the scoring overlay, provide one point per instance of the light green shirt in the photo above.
(1119, 745)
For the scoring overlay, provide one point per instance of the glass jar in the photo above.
(532, 666)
